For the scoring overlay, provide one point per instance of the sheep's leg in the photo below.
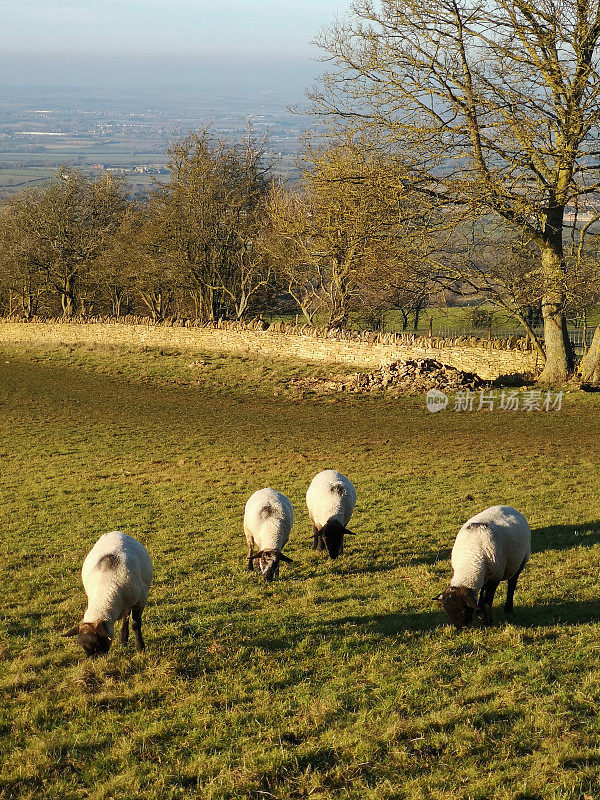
(486, 599)
(250, 546)
(125, 630)
(249, 561)
(316, 538)
(510, 591)
(136, 624)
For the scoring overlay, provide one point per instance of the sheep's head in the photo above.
(459, 603)
(268, 562)
(333, 533)
(93, 637)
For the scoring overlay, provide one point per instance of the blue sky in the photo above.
(240, 29)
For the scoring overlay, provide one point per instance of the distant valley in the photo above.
(128, 133)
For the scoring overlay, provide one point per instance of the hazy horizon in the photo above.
(131, 72)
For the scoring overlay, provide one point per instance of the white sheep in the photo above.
(492, 546)
(330, 499)
(268, 519)
(116, 576)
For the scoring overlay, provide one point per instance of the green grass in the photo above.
(342, 680)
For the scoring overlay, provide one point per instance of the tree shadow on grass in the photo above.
(552, 613)
(372, 568)
(381, 627)
(433, 557)
(552, 537)
(564, 537)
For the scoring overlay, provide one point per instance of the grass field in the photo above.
(455, 319)
(342, 680)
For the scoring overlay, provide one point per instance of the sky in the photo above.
(245, 29)
(152, 42)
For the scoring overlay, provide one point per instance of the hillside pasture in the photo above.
(342, 679)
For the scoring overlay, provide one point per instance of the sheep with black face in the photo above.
(491, 547)
(330, 500)
(116, 575)
(268, 519)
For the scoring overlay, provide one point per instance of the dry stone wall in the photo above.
(360, 350)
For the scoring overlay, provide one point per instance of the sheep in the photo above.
(330, 500)
(116, 576)
(492, 546)
(268, 519)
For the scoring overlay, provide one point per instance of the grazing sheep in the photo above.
(330, 499)
(268, 519)
(492, 546)
(116, 575)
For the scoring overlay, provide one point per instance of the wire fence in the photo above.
(580, 339)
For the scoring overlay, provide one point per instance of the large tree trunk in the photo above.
(29, 306)
(590, 365)
(116, 296)
(67, 297)
(418, 306)
(559, 358)
(68, 305)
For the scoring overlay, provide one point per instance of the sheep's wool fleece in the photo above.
(330, 496)
(491, 545)
(116, 575)
(268, 519)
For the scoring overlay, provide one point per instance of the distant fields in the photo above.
(342, 680)
(82, 153)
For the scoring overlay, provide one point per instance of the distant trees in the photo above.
(23, 275)
(51, 238)
(220, 239)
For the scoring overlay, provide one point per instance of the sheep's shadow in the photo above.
(564, 537)
(549, 614)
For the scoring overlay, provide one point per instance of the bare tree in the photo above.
(63, 228)
(348, 235)
(23, 262)
(495, 105)
(148, 258)
(211, 213)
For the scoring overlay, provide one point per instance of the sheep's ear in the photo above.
(101, 631)
(439, 597)
(256, 555)
(73, 632)
(469, 598)
(285, 558)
